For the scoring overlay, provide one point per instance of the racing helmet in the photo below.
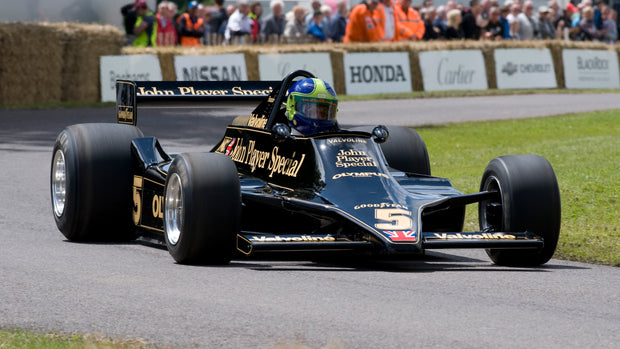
(311, 106)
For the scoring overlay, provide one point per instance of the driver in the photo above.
(311, 106)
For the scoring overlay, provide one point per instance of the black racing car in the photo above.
(265, 187)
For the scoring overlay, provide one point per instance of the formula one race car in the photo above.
(267, 186)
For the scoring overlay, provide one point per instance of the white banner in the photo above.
(524, 68)
(129, 67)
(453, 70)
(377, 72)
(277, 66)
(590, 69)
(228, 67)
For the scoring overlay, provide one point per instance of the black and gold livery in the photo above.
(366, 189)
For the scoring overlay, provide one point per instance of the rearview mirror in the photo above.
(380, 134)
(280, 132)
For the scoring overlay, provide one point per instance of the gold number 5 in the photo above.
(398, 219)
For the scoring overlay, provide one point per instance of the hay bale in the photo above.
(83, 45)
(31, 64)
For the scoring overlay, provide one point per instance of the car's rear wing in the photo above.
(183, 94)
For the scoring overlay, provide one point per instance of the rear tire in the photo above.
(404, 150)
(90, 182)
(202, 209)
(529, 201)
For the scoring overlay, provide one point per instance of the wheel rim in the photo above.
(174, 209)
(59, 183)
(491, 210)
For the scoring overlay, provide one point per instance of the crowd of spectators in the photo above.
(368, 21)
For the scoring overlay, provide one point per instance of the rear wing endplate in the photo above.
(187, 94)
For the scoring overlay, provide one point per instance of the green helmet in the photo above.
(311, 106)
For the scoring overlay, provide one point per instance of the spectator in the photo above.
(256, 10)
(598, 17)
(609, 25)
(441, 21)
(315, 5)
(454, 31)
(239, 23)
(273, 26)
(145, 28)
(410, 18)
(166, 29)
(588, 27)
(129, 21)
(527, 26)
(316, 27)
(191, 27)
(295, 30)
(564, 25)
(494, 30)
(230, 9)
(362, 26)
(338, 22)
(219, 16)
(388, 24)
(470, 27)
(327, 15)
(430, 32)
(205, 15)
(555, 8)
(546, 30)
(503, 13)
(515, 9)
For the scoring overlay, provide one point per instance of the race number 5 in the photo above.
(395, 218)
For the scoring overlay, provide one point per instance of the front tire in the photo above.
(202, 209)
(90, 182)
(529, 200)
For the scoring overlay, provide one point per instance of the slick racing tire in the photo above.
(90, 182)
(202, 209)
(404, 150)
(529, 201)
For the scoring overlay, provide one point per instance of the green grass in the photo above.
(18, 339)
(584, 150)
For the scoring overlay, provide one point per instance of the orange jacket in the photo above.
(190, 40)
(411, 20)
(362, 27)
(400, 31)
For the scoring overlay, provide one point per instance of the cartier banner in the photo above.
(453, 70)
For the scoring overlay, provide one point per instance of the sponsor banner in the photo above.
(277, 66)
(129, 67)
(377, 72)
(590, 69)
(524, 68)
(228, 67)
(453, 70)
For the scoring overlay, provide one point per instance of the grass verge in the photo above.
(584, 150)
(18, 339)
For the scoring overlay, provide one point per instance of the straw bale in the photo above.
(30, 65)
(83, 45)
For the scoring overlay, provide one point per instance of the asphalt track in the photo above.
(455, 298)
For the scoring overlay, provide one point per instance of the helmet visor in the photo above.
(316, 108)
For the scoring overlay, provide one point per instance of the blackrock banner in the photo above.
(453, 70)
(377, 72)
(128, 67)
(524, 68)
(591, 69)
(277, 66)
(226, 67)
